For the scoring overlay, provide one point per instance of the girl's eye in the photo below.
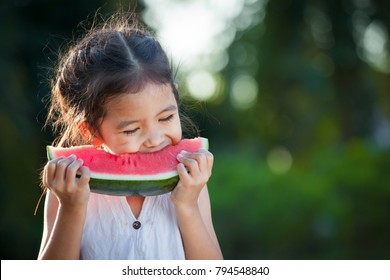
(167, 119)
(129, 132)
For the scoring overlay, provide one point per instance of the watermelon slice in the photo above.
(138, 173)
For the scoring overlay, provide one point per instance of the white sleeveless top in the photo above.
(112, 232)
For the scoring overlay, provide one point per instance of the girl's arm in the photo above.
(192, 204)
(199, 238)
(65, 209)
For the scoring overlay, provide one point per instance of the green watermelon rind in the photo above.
(134, 188)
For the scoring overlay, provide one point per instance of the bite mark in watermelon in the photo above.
(138, 173)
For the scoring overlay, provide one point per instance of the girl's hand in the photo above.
(194, 171)
(59, 176)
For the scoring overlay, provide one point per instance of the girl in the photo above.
(115, 89)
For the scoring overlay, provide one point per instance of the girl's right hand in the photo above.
(59, 176)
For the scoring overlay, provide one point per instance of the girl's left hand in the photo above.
(194, 171)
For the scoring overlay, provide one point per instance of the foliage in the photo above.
(335, 207)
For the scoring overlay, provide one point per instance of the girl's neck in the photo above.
(135, 203)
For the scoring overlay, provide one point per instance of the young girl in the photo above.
(115, 89)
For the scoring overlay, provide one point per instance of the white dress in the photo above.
(112, 232)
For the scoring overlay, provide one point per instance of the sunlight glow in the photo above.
(193, 30)
(201, 84)
(279, 160)
(244, 92)
(197, 33)
(374, 44)
(372, 39)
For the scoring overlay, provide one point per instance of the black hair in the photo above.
(116, 58)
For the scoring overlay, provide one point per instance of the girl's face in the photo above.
(146, 121)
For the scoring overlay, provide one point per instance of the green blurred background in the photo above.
(298, 121)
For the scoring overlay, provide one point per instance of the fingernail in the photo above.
(73, 156)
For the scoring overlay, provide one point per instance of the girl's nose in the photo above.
(154, 139)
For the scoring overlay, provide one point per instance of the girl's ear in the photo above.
(88, 135)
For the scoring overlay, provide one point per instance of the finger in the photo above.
(183, 173)
(62, 165)
(50, 171)
(209, 160)
(189, 161)
(204, 158)
(85, 175)
(71, 171)
(209, 156)
(200, 153)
